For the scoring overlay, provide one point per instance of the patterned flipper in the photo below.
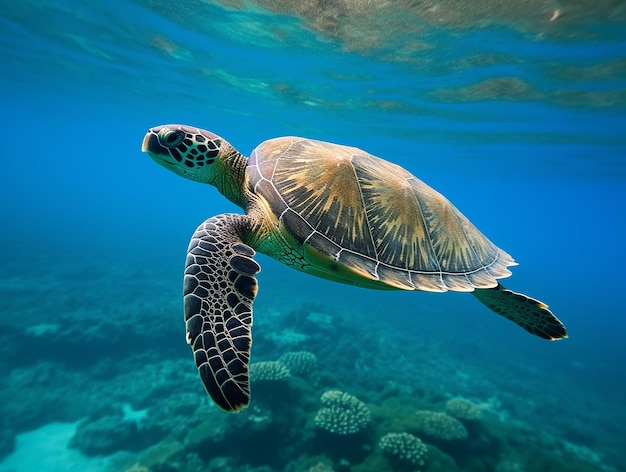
(219, 290)
(530, 314)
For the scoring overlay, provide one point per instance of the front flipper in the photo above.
(530, 314)
(219, 290)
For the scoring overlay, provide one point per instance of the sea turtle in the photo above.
(329, 210)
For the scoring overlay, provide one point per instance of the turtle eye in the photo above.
(171, 137)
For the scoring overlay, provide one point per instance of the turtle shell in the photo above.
(347, 211)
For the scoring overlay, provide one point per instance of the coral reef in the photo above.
(464, 409)
(107, 435)
(342, 413)
(287, 338)
(321, 467)
(157, 417)
(439, 425)
(405, 447)
(299, 362)
(268, 370)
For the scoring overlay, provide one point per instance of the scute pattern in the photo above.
(219, 289)
(372, 216)
(327, 196)
(392, 207)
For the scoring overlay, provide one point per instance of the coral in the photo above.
(322, 321)
(321, 467)
(193, 463)
(106, 435)
(269, 370)
(508, 466)
(287, 338)
(137, 468)
(134, 416)
(439, 425)
(464, 409)
(342, 413)
(299, 362)
(404, 446)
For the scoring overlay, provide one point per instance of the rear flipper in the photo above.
(530, 314)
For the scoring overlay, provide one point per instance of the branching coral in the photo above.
(299, 362)
(405, 447)
(269, 370)
(439, 425)
(342, 413)
(464, 409)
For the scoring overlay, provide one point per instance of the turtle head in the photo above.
(186, 151)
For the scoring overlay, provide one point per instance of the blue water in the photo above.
(518, 119)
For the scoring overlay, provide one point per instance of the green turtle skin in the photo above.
(329, 210)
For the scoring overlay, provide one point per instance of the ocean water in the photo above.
(515, 111)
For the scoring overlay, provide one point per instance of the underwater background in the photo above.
(515, 111)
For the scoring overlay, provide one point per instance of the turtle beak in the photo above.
(145, 146)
